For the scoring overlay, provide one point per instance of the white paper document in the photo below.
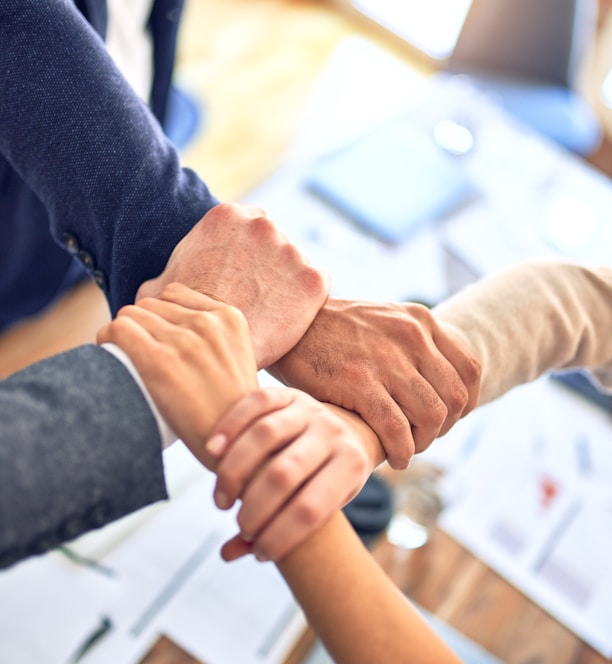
(176, 584)
(49, 606)
(165, 577)
(533, 499)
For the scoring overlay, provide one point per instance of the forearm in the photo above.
(89, 148)
(79, 448)
(357, 612)
(533, 318)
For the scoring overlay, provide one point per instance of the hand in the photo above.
(194, 356)
(390, 363)
(236, 255)
(291, 461)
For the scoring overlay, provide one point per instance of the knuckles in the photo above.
(398, 441)
(311, 281)
(437, 413)
(308, 511)
(268, 398)
(314, 283)
(358, 462)
(420, 313)
(473, 370)
(282, 473)
(264, 430)
(458, 400)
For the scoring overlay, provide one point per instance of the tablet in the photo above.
(392, 181)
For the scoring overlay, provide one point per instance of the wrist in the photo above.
(166, 434)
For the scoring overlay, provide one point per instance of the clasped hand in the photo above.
(396, 378)
(286, 456)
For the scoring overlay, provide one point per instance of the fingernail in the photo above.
(261, 557)
(247, 538)
(216, 444)
(222, 500)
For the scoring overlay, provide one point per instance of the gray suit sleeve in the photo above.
(79, 447)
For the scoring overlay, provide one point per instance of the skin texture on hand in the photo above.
(195, 358)
(236, 255)
(409, 379)
(193, 354)
(291, 461)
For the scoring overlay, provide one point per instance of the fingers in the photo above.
(251, 451)
(446, 384)
(391, 423)
(255, 405)
(150, 342)
(284, 476)
(449, 390)
(160, 327)
(187, 321)
(131, 337)
(411, 403)
(235, 548)
(189, 298)
(465, 363)
(175, 317)
(244, 453)
(292, 467)
(298, 519)
(389, 363)
(304, 514)
(177, 303)
(439, 397)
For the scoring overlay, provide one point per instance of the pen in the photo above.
(103, 628)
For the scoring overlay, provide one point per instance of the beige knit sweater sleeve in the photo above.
(533, 318)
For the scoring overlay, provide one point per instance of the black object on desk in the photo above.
(370, 511)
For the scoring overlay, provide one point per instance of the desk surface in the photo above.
(229, 49)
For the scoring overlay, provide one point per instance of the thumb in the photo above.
(235, 548)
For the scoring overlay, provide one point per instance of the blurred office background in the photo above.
(547, 62)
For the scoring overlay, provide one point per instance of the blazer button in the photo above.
(100, 515)
(87, 259)
(100, 279)
(71, 243)
(72, 528)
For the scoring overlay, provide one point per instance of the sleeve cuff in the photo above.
(166, 434)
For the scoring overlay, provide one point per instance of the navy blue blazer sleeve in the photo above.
(79, 447)
(90, 149)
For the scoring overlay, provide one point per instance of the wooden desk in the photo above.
(253, 65)
(447, 580)
(451, 583)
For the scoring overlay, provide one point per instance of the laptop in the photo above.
(431, 27)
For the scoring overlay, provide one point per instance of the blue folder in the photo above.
(392, 181)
